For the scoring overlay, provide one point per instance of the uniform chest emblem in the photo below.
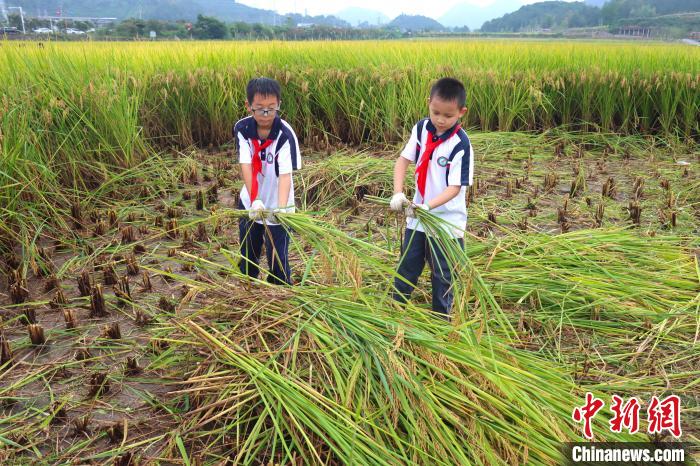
(442, 161)
(270, 158)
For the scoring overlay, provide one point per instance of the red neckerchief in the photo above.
(431, 144)
(257, 164)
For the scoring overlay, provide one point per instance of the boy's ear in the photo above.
(462, 112)
(247, 106)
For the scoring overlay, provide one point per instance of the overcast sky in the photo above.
(391, 8)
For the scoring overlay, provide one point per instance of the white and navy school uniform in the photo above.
(450, 164)
(279, 155)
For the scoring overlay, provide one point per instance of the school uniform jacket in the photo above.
(279, 158)
(451, 164)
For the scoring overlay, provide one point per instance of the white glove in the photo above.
(411, 209)
(256, 208)
(279, 210)
(398, 202)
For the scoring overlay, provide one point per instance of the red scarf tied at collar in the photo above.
(257, 165)
(431, 144)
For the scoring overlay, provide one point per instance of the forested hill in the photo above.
(546, 15)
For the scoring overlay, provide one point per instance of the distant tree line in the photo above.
(209, 28)
(616, 11)
(546, 15)
(558, 15)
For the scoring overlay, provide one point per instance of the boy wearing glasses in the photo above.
(268, 153)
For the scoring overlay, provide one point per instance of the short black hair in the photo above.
(263, 86)
(450, 89)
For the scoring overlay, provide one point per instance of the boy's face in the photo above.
(444, 113)
(258, 106)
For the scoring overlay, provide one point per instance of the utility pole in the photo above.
(21, 16)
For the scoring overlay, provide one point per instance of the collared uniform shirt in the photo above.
(452, 164)
(281, 157)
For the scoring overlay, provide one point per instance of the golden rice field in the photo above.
(129, 337)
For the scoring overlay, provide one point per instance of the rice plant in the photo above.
(127, 333)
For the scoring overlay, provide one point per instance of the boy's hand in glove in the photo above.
(256, 209)
(411, 209)
(398, 202)
(279, 210)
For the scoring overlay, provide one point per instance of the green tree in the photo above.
(262, 31)
(241, 30)
(131, 28)
(207, 27)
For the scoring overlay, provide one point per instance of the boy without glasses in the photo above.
(444, 161)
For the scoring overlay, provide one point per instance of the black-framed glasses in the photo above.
(265, 111)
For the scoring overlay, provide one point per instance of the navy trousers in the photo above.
(418, 249)
(276, 240)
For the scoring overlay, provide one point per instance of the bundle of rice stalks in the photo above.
(172, 211)
(132, 366)
(81, 425)
(578, 184)
(112, 331)
(85, 283)
(123, 291)
(128, 234)
(98, 385)
(609, 188)
(19, 292)
(77, 215)
(29, 315)
(638, 188)
(112, 218)
(628, 278)
(6, 355)
(171, 229)
(599, 214)
(109, 274)
(146, 281)
(97, 302)
(69, 316)
(550, 182)
(213, 194)
(635, 212)
(166, 305)
(59, 299)
(52, 282)
(319, 375)
(101, 228)
(36, 334)
(116, 431)
(132, 266)
(201, 235)
(335, 181)
(199, 203)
